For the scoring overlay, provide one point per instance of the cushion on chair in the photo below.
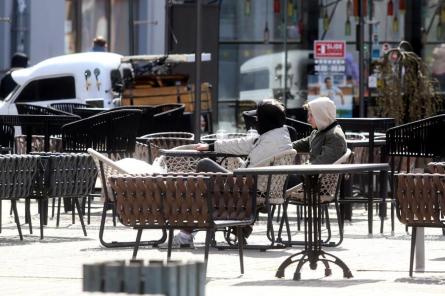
(136, 166)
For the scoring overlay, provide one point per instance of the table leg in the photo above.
(312, 252)
(420, 249)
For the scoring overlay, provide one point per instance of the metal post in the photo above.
(285, 56)
(361, 58)
(198, 72)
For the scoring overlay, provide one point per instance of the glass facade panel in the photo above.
(70, 26)
(120, 40)
(252, 55)
(94, 21)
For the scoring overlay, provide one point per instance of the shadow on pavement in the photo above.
(422, 280)
(32, 239)
(309, 283)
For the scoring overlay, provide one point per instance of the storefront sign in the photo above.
(329, 49)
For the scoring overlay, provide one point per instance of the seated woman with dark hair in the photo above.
(272, 139)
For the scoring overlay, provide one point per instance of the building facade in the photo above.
(264, 48)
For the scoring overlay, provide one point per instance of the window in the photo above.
(49, 89)
(254, 80)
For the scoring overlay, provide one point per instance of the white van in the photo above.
(263, 77)
(79, 78)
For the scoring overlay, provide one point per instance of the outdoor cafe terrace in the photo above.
(55, 221)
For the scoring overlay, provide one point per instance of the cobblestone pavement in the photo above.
(379, 263)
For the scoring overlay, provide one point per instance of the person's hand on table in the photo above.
(202, 147)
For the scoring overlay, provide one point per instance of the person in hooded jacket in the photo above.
(327, 142)
(273, 138)
(7, 84)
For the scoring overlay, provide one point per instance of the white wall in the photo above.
(47, 33)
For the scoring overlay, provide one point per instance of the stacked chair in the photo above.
(17, 175)
(69, 107)
(64, 175)
(111, 132)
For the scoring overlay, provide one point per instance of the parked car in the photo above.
(76, 78)
(263, 77)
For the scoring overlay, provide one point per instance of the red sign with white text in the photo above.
(329, 49)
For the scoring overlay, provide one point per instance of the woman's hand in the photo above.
(202, 147)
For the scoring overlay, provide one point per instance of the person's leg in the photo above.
(185, 236)
(208, 165)
(293, 180)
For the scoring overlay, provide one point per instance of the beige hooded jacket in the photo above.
(327, 143)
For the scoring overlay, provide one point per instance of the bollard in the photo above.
(192, 283)
(93, 277)
(132, 277)
(201, 269)
(173, 278)
(182, 278)
(170, 279)
(152, 277)
(113, 275)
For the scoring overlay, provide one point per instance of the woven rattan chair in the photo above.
(106, 168)
(419, 140)
(271, 190)
(188, 163)
(420, 202)
(168, 118)
(54, 131)
(68, 107)
(205, 202)
(112, 132)
(6, 138)
(17, 176)
(329, 187)
(302, 129)
(211, 138)
(151, 144)
(71, 176)
(146, 125)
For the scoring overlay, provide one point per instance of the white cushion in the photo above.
(136, 166)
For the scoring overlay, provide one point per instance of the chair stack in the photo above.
(17, 174)
(112, 132)
(64, 175)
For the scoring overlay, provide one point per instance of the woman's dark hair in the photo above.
(271, 114)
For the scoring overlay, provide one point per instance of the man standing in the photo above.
(7, 84)
(331, 91)
(99, 44)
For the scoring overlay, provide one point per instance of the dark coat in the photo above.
(324, 147)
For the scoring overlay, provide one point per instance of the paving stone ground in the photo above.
(379, 263)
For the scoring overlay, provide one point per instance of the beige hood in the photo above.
(324, 112)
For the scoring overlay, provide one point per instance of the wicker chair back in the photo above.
(110, 132)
